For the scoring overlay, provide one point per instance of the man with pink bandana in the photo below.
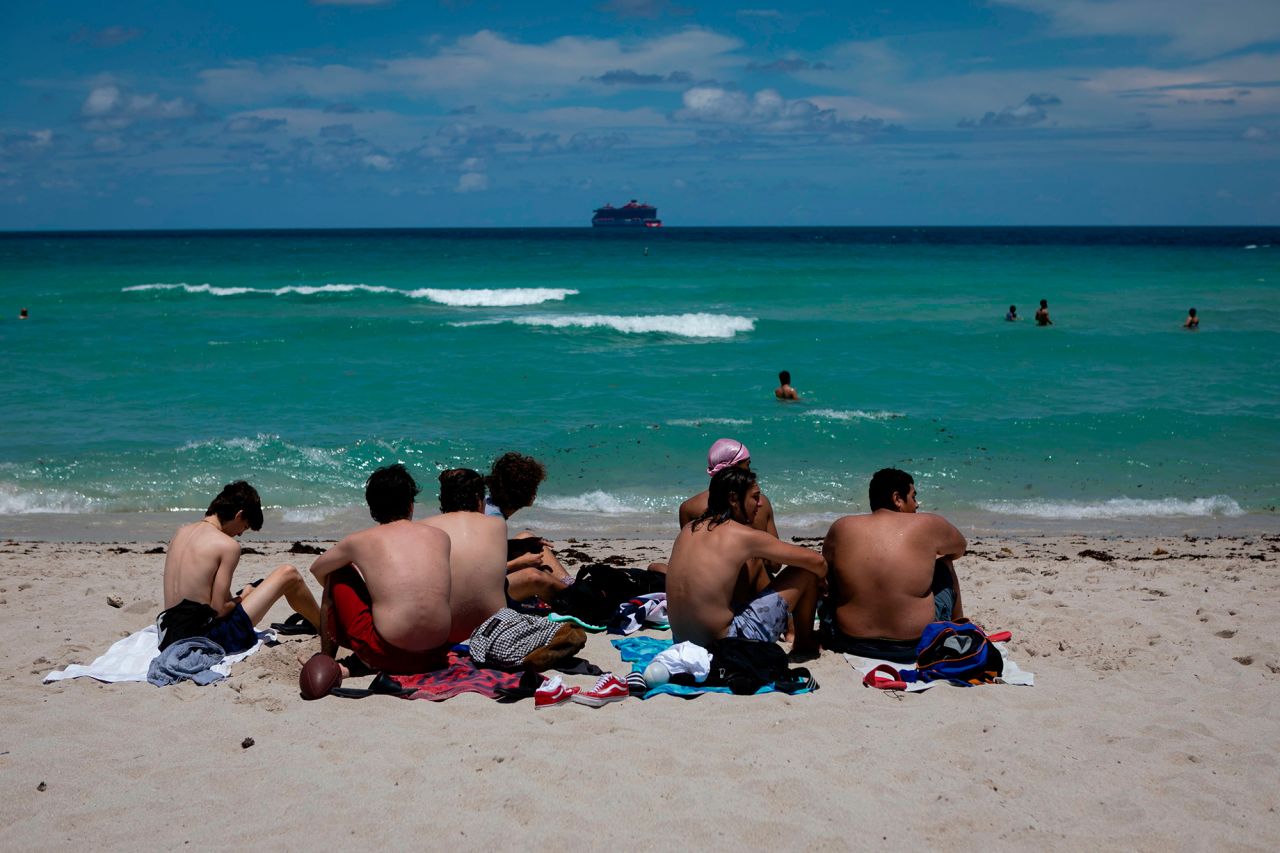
(725, 453)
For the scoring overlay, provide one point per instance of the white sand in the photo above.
(1152, 727)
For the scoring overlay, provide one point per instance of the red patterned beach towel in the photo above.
(463, 676)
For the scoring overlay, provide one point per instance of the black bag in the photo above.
(600, 589)
(744, 666)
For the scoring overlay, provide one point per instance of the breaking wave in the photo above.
(477, 298)
(684, 325)
(1217, 505)
(593, 502)
(15, 501)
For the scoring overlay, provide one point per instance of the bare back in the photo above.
(756, 576)
(406, 567)
(704, 571)
(882, 570)
(477, 568)
(198, 566)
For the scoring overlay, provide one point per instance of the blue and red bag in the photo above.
(959, 652)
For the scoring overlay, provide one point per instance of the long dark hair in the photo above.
(726, 482)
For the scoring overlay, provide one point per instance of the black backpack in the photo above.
(601, 589)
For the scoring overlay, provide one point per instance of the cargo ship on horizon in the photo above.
(630, 215)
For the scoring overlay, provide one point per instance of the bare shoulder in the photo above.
(845, 524)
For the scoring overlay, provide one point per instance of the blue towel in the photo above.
(187, 659)
(639, 651)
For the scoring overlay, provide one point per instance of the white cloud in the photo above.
(1191, 27)
(480, 68)
(107, 144)
(769, 111)
(1257, 134)
(101, 101)
(380, 162)
(472, 182)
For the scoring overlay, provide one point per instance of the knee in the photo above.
(288, 574)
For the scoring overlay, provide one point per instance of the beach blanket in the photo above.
(463, 676)
(1013, 674)
(639, 651)
(129, 659)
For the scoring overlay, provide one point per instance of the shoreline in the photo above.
(559, 525)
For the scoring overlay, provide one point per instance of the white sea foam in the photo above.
(1217, 505)
(309, 514)
(487, 298)
(17, 501)
(685, 325)
(593, 502)
(697, 422)
(853, 415)
(503, 298)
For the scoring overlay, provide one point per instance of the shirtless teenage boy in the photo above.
(477, 551)
(198, 568)
(891, 572)
(386, 589)
(707, 564)
(726, 452)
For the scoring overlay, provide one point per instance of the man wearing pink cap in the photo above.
(731, 453)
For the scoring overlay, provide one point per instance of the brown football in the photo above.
(319, 675)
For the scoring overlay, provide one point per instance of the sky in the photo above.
(440, 113)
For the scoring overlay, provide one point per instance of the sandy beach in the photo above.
(1150, 727)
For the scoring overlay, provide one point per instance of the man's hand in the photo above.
(525, 561)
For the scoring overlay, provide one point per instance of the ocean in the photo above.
(157, 366)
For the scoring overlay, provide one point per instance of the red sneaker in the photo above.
(552, 693)
(609, 688)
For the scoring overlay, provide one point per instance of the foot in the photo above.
(801, 655)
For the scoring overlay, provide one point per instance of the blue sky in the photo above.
(287, 113)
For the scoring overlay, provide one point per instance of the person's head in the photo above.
(726, 453)
(390, 493)
(513, 481)
(1013, 309)
(784, 377)
(461, 490)
(734, 494)
(237, 500)
(1044, 303)
(22, 313)
(1191, 313)
(893, 489)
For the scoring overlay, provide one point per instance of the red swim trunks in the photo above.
(354, 629)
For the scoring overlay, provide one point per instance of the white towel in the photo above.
(1013, 674)
(129, 658)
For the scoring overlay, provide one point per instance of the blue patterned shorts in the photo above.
(763, 618)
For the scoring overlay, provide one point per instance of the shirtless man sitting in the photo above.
(708, 563)
(513, 484)
(891, 573)
(386, 589)
(724, 453)
(198, 568)
(477, 552)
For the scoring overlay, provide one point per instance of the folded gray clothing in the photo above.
(187, 659)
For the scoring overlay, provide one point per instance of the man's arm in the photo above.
(330, 561)
(951, 542)
(772, 548)
(220, 598)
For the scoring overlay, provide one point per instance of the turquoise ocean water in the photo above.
(156, 367)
